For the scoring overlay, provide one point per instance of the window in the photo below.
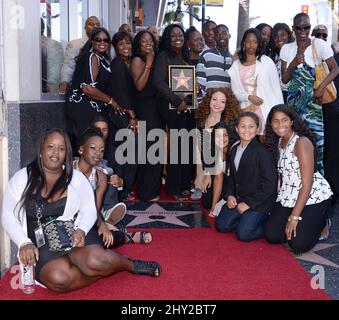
(61, 21)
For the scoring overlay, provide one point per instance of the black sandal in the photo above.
(142, 237)
(148, 268)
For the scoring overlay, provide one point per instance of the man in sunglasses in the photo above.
(72, 51)
(320, 31)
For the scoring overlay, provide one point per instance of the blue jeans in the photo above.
(248, 226)
(111, 197)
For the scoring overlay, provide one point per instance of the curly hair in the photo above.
(165, 42)
(298, 126)
(232, 108)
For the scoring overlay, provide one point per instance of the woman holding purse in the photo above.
(298, 68)
(49, 188)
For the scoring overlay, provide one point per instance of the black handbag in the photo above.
(59, 234)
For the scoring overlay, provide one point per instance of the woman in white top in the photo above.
(298, 68)
(50, 188)
(254, 78)
(91, 150)
(304, 195)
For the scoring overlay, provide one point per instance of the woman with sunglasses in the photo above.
(298, 67)
(88, 96)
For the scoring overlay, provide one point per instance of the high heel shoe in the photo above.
(148, 268)
(325, 233)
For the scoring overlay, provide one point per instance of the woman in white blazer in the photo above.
(49, 188)
(255, 79)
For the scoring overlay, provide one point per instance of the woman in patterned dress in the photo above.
(298, 67)
(304, 195)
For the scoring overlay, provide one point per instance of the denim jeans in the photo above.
(111, 197)
(248, 226)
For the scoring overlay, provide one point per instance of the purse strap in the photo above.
(314, 51)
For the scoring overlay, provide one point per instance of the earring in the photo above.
(40, 155)
(80, 152)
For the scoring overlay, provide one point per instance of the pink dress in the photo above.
(247, 78)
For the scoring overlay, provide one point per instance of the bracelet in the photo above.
(110, 101)
(293, 218)
(148, 67)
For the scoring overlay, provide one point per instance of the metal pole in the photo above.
(203, 6)
(191, 15)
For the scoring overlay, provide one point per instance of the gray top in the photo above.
(238, 155)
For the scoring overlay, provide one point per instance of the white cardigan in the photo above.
(80, 198)
(268, 85)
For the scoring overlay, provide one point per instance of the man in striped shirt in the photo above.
(212, 69)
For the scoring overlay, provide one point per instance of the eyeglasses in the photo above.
(321, 35)
(99, 40)
(304, 28)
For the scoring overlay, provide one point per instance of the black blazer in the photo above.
(255, 182)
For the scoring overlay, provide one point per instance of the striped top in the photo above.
(212, 69)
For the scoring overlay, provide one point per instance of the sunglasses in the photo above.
(321, 35)
(99, 40)
(305, 28)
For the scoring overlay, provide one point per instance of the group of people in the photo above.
(258, 114)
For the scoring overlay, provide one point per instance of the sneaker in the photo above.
(325, 233)
(196, 194)
(115, 214)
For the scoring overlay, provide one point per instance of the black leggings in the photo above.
(308, 229)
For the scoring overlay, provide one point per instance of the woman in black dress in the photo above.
(173, 50)
(122, 92)
(149, 173)
(49, 188)
(88, 96)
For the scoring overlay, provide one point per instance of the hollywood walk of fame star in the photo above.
(182, 81)
(156, 213)
(311, 256)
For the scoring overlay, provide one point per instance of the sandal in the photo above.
(149, 268)
(144, 239)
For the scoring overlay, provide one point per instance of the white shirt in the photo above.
(289, 170)
(80, 199)
(323, 48)
(268, 85)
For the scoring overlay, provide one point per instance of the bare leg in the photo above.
(82, 267)
(94, 260)
(60, 275)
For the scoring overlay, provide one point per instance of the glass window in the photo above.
(52, 51)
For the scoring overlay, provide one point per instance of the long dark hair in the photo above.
(136, 50)
(298, 126)
(36, 176)
(165, 42)
(242, 52)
